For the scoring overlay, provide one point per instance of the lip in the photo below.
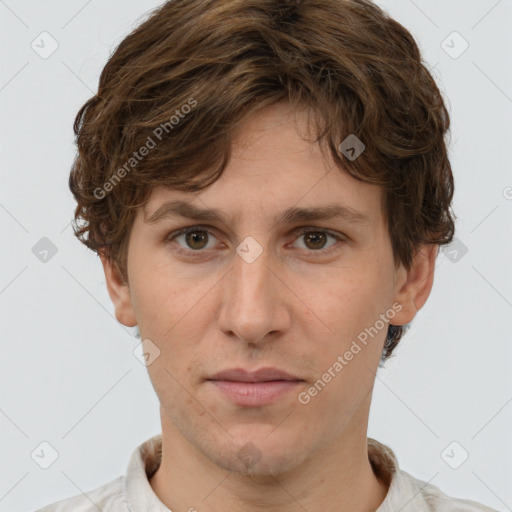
(256, 388)
(261, 375)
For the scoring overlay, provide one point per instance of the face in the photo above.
(252, 291)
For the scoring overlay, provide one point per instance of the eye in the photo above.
(316, 239)
(196, 238)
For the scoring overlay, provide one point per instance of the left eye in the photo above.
(317, 238)
(198, 238)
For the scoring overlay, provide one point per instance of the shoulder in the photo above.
(434, 500)
(109, 497)
(411, 494)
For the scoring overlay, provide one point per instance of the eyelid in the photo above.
(296, 232)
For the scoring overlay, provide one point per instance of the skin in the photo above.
(289, 308)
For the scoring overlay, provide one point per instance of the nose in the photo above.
(254, 306)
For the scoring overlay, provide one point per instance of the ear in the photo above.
(413, 286)
(119, 292)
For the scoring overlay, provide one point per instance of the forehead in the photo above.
(276, 174)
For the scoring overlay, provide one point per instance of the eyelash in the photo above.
(300, 232)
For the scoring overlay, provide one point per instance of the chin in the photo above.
(259, 459)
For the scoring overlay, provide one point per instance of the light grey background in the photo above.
(68, 373)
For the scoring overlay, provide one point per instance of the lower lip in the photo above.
(255, 393)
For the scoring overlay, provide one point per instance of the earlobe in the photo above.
(413, 286)
(119, 293)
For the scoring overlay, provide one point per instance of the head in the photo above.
(243, 107)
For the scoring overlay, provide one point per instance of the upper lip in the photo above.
(260, 375)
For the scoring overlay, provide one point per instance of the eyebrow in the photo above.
(179, 208)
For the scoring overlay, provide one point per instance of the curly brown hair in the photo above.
(175, 89)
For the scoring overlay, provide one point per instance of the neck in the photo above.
(337, 478)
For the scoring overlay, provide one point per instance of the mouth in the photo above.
(266, 374)
(256, 388)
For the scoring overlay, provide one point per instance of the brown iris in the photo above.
(197, 236)
(317, 237)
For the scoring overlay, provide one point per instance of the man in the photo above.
(267, 185)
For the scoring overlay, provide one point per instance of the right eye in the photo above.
(194, 239)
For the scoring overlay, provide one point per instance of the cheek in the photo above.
(157, 291)
(346, 363)
(348, 300)
(172, 313)
(350, 308)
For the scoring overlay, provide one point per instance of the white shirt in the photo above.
(133, 493)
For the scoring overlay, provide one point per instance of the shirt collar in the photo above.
(143, 464)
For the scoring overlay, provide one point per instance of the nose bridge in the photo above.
(251, 305)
